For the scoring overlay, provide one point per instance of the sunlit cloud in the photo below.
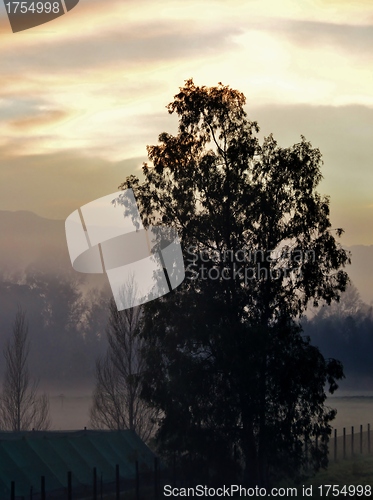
(44, 119)
(91, 88)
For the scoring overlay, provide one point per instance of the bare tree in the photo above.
(117, 402)
(20, 406)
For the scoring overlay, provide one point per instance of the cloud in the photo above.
(89, 89)
(353, 39)
(146, 44)
(46, 118)
(53, 185)
(13, 108)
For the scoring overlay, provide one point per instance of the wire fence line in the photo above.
(350, 442)
(146, 484)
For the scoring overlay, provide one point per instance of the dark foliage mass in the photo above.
(239, 388)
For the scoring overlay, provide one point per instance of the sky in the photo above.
(82, 96)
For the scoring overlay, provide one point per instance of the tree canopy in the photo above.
(117, 402)
(240, 389)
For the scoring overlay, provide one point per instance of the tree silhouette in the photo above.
(117, 402)
(237, 384)
(20, 406)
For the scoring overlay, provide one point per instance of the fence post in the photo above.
(69, 487)
(94, 483)
(101, 487)
(42, 487)
(344, 442)
(335, 445)
(352, 440)
(12, 490)
(361, 439)
(117, 482)
(31, 492)
(137, 481)
(368, 438)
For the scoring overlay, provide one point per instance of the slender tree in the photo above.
(227, 365)
(21, 408)
(117, 402)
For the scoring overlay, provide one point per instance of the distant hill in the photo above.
(28, 239)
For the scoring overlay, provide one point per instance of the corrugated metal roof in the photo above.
(26, 456)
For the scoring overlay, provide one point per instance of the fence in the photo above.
(343, 445)
(99, 488)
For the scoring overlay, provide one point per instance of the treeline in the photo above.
(66, 322)
(344, 331)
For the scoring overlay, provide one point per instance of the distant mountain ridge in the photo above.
(28, 239)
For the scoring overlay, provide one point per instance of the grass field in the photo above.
(357, 471)
(350, 472)
(344, 473)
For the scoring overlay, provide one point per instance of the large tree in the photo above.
(227, 365)
(21, 407)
